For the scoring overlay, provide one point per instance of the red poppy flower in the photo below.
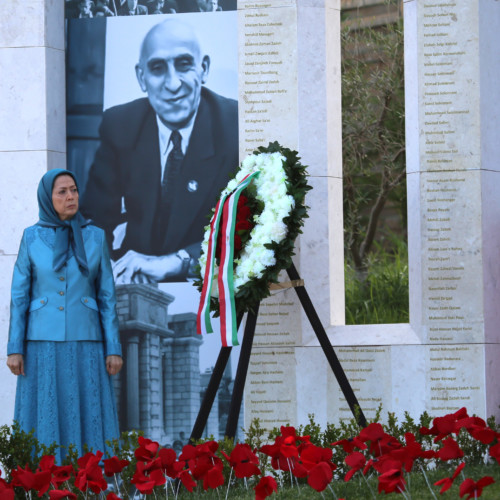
(413, 450)
(349, 444)
(147, 449)
(372, 432)
(201, 458)
(473, 489)
(485, 435)
(168, 462)
(60, 494)
(112, 496)
(90, 474)
(60, 474)
(320, 476)
(444, 426)
(391, 481)
(382, 464)
(267, 485)
(213, 478)
(146, 482)
(114, 466)
(310, 456)
(187, 480)
(285, 449)
(495, 452)
(39, 481)
(450, 450)
(380, 441)
(243, 461)
(447, 482)
(356, 461)
(6, 489)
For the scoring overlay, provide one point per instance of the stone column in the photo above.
(32, 138)
(132, 387)
(143, 317)
(186, 372)
(452, 73)
(168, 400)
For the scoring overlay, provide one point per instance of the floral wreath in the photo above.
(269, 191)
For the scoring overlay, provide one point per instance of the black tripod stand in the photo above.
(241, 373)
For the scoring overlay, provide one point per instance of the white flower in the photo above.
(269, 226)
(231, 185)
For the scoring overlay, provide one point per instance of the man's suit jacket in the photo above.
(128, 164)
(63, 305)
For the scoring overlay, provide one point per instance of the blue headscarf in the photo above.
(68, 232)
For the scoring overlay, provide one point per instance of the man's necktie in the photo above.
(170, 175)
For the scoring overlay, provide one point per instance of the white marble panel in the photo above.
(492, 388)
(333, 85)
(489, 28)
(265, 4)
(336, 253)
(268, 93)
(448, 78)
(452, 294)
(311, 366)
(23, 120)
(54, 24)
(8, 385)
(278, 323)
(313, 105)
(56, 100)
(7, 393)
(368, 370)
(490, 189)
(415, 257)
(456, 378)
(270, 393)
(314, 257)
(22, 24)
(20, 174)
(363, 335)
(6, 268)
(56, 159)
(411, 87)
(408, 379)
(329, 4)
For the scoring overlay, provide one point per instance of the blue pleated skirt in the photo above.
(67, 395)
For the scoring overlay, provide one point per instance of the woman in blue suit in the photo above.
(63, 335)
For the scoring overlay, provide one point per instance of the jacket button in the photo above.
(61, 278)
(61, 308)
(85, 300)
(61, 293)
(42, 302)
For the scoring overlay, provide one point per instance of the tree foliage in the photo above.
(373, 141)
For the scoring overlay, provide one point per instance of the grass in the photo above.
(357, 489)
(379, 294)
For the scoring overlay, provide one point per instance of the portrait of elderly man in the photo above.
(162, 160)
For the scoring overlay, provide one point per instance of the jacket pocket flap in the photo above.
(90, 303)
(38, 303)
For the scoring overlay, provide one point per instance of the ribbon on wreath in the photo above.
(225, 211)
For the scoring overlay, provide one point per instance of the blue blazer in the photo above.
(64, 305)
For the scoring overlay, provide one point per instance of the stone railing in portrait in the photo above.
(158, 391)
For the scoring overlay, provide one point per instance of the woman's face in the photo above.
(65, 197)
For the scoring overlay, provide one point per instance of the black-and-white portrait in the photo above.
(163, 158)
(152, 128)
(86, 9)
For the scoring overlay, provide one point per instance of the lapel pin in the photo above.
(192, 186)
